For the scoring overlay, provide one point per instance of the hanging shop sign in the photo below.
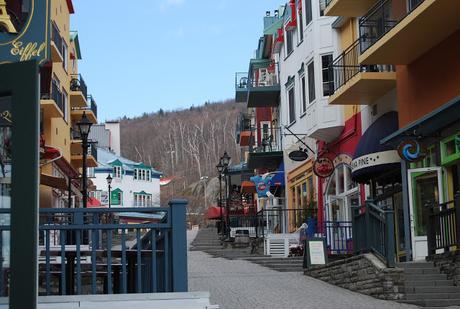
(25, 31)
(323, 167)
(342, 159)
(375, 159)
(410, 150)
(262, 183)
(298, 155)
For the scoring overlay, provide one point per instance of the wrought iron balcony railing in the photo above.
(346, 66)
(379, 20)
(77, 83)
(241, 81)
(56, 37)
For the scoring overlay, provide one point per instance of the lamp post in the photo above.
(220, 169)
(225, 162)
(84, 126)
(109, 182)
(204, 178)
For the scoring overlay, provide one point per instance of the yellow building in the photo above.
(64, 99)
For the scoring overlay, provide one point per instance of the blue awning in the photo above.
(372, 158)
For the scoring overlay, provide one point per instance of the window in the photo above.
(311, 82)
(65, 55)
(308, 12)
(303, 94)
(328, 75)
(148, 176)
(300, 24)
(91, 172)
(135, 177)
(291, 101)
(117, 171)
(64, 105)
(322, 7)
(289, 42)
(142, 199)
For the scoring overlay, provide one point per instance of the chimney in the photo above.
(276, 13)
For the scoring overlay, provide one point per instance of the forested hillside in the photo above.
(186, 144)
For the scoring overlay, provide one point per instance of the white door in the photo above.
(425, 188)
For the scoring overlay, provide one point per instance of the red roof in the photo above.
(70, 6)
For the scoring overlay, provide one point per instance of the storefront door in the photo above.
(425, 188)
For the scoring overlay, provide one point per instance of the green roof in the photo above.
(273, 28)
(74, 38)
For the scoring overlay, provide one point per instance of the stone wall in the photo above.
(449, 263)
(365, 274)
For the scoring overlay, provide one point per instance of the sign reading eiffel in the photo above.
(24, 31)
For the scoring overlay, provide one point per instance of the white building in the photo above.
(305, 78)
(134, 183)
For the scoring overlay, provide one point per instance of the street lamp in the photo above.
(84, 126)
(204, 178)
(220, 169)
(225, 162)
(109, 182)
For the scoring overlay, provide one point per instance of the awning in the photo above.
(371, 158)
(213, 213)
(94, 203)
(438, 119)
(248, 187)
(53, 182)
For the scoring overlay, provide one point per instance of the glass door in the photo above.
(425, 189)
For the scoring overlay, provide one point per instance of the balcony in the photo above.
(243, 129)
(347, 8)
(241, 87)
(52, 103)
(56, 44)
(265, 149)
(76, 151)
(263, 87)
(356, 84)
(78, 91)
(90, 111)
(389, 37)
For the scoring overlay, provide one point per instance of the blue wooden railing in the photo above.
(103, 251)
(373, 231)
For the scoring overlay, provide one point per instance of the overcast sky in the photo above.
(143, 55)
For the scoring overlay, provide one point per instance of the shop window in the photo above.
(450, 149)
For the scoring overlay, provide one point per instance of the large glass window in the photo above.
(291, 99)
(308, 12)
(328, 75)
(304, 94)
(311, 82)
(289, 42)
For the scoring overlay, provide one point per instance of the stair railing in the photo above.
(443, 225)
(373, 231)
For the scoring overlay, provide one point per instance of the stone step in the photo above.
(432, 289)
(434, 303)
(415, 283)
(423, 277)
(421, 271)
(422, 296)
(415, 265)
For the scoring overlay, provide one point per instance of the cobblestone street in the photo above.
(238, 284)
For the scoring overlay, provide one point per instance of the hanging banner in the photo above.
(263, 184)
(25, 30)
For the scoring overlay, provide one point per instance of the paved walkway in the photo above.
(238, 284)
